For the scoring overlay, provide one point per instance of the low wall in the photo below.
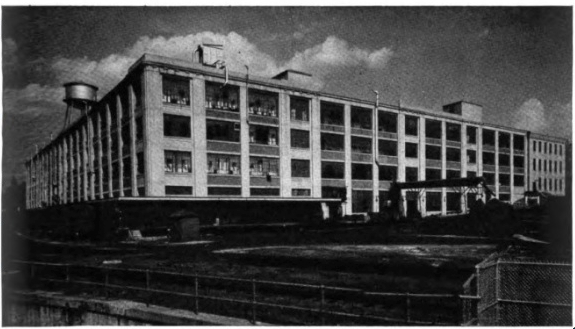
(41, 308)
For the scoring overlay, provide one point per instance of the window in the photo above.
(361, 201)
(433, 129)
(223, 131)
(411, 174)
(449, 174)
(361, 171)
(560, 149)
(175, 90)
(333, 192)
(177, 162)
(453, 154)
(560, 167)
(471, 156)
(411, 125)
(140, 167)
(224, 190)
(299, 108)
(504, 140)
(518, 180)
(504, 160)
(331, 114)
(139, 129)
(534, 146)
(223, 164)
(360, 118)
(411, 150)
(540, 147)
(433, 201)
(333, 170)
(471, 135)
(504, 179)
(264, 135)
(387, 147)
(534, 164)
(265, 191)
(453, 202)
(488, 158)
(262, 103)
(471, 174)
(260, 166)
(453, 132)
(555, 149)
(433, 152)
(540, 166)
(489, 178)
(387, 122)
(299, 139)
(300, 192)
(519, 162)
(300, 168)
(519, 142)
(387, 173)
(488, 137)
(555, 166)
(544, 165)
(176, 126)
(332, 142)
(432, 174)
(178, 190)
(360, 145)
(544, 147)
(222, 97)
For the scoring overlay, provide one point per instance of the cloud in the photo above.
(531, 116)
(335, 52)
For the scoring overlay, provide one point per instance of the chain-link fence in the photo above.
(516, 292)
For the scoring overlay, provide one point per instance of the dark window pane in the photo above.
(387, 173)
(260, 166)
(299, 139)
(299, 108)
(175, 90)
(331, 114)
(332, 142)
(360, 145)
(300, 168)
(411, 150)
(387, 147)
(263, 135)
(433, 129)
(411, 174)
(178, 190)
(222, 98)
(223, 131)
(176, 126)
(332, 170)
(387, 122)
(453, 154)
(411, 125)
(453, 132)
(361, 171)
(265, 191)
(263, 103)
(361, 117)
(433, 152)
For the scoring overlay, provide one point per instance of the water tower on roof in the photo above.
(80, 96)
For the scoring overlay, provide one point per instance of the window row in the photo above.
(547, 148)
(548, 184)
(548, 166)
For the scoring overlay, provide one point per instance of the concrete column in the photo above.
(85, 168)
(315, 141)
(99, 171)
(199, 153)
(375, 152)
(153, 132)
(119, 115)
(479, 151)
(512, 173)
(496, 164)
(109, 149)
(443, 166)
(91, 152)
(245, 141)
(463, 156)
(134, 162)
(78, 167)
(422, 166)
(401, 158)
(347, 149)
(284, 144)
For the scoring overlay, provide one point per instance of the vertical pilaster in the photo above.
(496, 164)
(78, 167)
(132, 127)
(119, 121)
(422, 166)
(480, 155)
(401, 159)
(99, 154)
(443, 166)
(463, 157)
(245, 141)
(91, 170)
(109, 150)
(512, 168)
(315, 141)
(66, 169)
(85, 168)
(347, 149)
(153, 120)
(284, 144)
(199, 153)
(375, 163)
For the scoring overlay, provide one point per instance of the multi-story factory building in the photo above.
(175, 130)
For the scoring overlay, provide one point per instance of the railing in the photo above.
(254, 293)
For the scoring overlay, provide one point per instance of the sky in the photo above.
(514, 61)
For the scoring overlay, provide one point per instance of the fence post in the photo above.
(196, 292)
(322, 304)
(253, 301)
(407, 308)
